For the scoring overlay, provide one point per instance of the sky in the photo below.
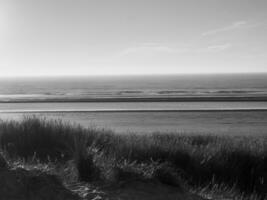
(117, 37)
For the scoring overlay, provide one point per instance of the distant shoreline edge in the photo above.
(132, 110)
(140, 99)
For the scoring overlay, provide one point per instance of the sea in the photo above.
(225, 103)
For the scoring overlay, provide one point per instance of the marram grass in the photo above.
(200, 161)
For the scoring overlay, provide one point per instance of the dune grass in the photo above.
(100, 155)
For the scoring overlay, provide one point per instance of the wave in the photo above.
(138, 95)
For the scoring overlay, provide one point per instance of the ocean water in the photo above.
(131, 87)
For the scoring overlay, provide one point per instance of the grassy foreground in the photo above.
(235, 165)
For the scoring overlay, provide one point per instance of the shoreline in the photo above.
(133, 110)
(141, 99)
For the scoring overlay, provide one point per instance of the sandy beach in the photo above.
(190, 122)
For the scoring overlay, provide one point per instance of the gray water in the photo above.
(82, 88)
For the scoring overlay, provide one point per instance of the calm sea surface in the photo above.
(98, 101)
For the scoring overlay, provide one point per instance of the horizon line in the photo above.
(130, 75)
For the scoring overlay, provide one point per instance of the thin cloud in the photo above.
(221, 47)
(150, 48)
(233, 26)
(155, 49)
(216, 48)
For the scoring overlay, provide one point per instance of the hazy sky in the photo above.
(89, 37)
